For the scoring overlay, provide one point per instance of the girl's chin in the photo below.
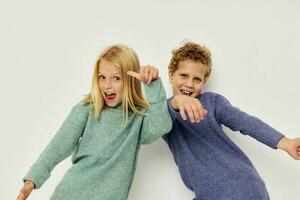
(112, 104)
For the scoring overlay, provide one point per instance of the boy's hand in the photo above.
(147, 74)
(190, 105)
(26, 190)
(291, 146)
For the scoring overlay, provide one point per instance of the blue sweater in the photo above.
(209, 162)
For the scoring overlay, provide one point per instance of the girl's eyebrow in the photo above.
(114, 75)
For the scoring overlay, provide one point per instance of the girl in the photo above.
(105, 130)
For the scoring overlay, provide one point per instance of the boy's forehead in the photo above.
(189, 62)
(189, 65)
(192, 69)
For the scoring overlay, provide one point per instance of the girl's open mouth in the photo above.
(110, 96)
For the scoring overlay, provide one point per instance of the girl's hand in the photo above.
(191, 105)
(26, 190)
(147, 74)
(291, 146)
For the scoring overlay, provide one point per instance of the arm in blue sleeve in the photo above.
(237, 120)
(175, 114)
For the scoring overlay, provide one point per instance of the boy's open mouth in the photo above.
(110, 95)
(185, 92)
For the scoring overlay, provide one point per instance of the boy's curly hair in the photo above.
(194, 52)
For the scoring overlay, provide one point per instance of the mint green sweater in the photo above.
(104, 152)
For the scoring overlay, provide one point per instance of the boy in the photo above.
(210, 164)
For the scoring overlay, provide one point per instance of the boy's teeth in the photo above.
(186, 92)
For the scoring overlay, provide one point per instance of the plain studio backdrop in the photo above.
(48, 50)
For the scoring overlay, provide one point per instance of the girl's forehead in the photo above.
(106, 67)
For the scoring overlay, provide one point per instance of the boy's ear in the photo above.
(205, 79)
(170, 76)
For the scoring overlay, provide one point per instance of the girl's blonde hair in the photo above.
(124, 59)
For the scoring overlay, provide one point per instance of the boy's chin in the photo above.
(195, 95)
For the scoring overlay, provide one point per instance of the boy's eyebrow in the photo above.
(183, 73)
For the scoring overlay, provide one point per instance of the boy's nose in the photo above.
(189, 83)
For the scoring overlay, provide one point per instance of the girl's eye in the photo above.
(101, 77)
(117, 78)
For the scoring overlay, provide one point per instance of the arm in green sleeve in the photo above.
(157, 122)
(60, 147)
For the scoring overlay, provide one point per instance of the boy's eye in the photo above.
(198, 79)
(183, 75)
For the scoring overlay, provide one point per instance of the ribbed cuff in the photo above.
(155, 91)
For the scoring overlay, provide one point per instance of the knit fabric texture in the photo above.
(211, 164)
(104, 151)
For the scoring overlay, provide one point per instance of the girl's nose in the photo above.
(108, 84)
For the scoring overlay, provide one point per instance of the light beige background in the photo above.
(48, 49)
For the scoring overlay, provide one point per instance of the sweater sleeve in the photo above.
(157, 121)
(237, 120)
(60, 147)
(175, 114)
